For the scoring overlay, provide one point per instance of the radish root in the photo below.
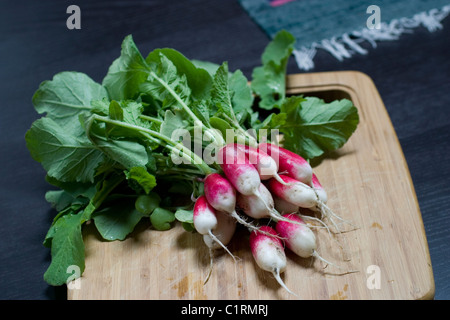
(276, 274)
(280, 180)
(250, 226)
(221, 244)
(211, 264)
(328, 213)
(316, 255)
(277, 216)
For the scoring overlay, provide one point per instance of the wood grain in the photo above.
(368, 183)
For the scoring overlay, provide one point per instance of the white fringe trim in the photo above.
(348, 44)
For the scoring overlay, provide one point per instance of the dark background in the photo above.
(412, 76)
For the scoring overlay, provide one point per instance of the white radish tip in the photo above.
(276, 274)
(316, 255)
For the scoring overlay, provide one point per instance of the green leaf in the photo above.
(270, 125)
(173, 121)
(146, 180)
(241, 95)
(61, 199)
(220, 92)
(208, 66)
(75, 189)
(186, 217)
(269, 84)
(100, 107)
(279, 49)
(67, 249)
(66, 156)
(198, 79)
(183, 215)
(165, 85)
(147, 203)
(220, 125)
(161, 219)
(129, 112)
(201, 109)
(66, 96)
(115, 111)
(117, 220)
(128, 153)
(126, 72)
(314, 127)
(269, 80)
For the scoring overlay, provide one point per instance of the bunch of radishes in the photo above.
(267, 181)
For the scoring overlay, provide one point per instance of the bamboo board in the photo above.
(367, 182)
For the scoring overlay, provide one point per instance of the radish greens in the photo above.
(106, 146)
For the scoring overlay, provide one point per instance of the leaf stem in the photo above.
(162, 140)
(218, 139)
(102, 193)
(152, 119)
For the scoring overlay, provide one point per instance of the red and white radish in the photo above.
(298, 237)
(321, 193)
(302, 195)
(220, 193)
(268, 252)
(289, 162)
(238, 169)
(205, 220)
(294, 192)
(224, 231)
(222, 196)
(256, 207)
(283, 206)
(266, 166)
(259, 207)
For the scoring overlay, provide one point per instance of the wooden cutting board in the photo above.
(368, 183)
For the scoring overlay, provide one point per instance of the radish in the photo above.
(283, 206)
(294, 165)
(259, 207)
(224, 231)
(302, 195)
(238, 169)
(321, 193)
(298, 237)
(266, 166)
(296, 193)
(268, 252)
(205, 220)
(222, 196)
(254, 206)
